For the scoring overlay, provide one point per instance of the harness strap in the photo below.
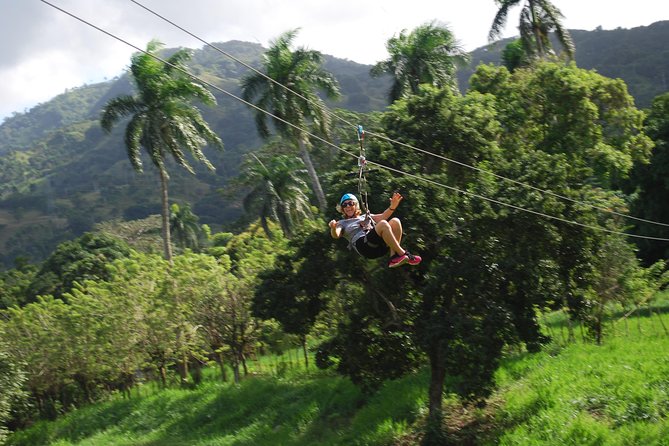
(362, 180)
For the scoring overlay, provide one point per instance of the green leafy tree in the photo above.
(616, 273)
(514, 55)
(301, 71)
(184, 225)
(15, 284)
(85, 258)
(224, 311)
(162, 121)
(209, 315)
(34, 333)
(140, 280)
(538, 18)
(427, 55)
(12, 394)
(291, 292)
(487, 269)
(582, 117)
(649, 182)
(276, 191)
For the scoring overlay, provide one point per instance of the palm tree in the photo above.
(276, 191)
(538, 19)
(301, 71)
(162, 121)
(427, 55)
(184, 225)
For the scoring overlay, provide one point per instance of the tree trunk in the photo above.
(243, 361)
(82, 381)
(303, 339)
(571, 337)
(659, 316)
(315, 182)
(235, 371)
(435, 394)
(183, 370)
(197, 372)
(163, 376)
(167, 240)
(537, 35)
(221, 364)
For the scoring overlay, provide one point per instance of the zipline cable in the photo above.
(192, 76)
(519, 183)
(392, 169)
(385, 138)
(244, 64)
(513, 206)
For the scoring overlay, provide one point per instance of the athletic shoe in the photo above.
(398, 260)
(413, 259)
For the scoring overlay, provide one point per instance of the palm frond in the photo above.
(133, 138)
(501, 16)
(118, 108)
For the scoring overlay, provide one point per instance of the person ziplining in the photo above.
(372, 235)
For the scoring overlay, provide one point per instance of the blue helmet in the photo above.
(348, 197)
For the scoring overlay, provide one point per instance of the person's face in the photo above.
(349, 208)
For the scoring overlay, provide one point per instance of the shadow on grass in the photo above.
(325, 410)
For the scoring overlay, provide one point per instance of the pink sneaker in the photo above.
(407, 257)
(398, 260)
(413, 259)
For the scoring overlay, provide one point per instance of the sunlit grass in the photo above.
(582, 394)
(571, 393)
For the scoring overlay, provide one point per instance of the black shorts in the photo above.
(371, 245)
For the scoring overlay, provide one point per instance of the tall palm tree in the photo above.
(276, 191)
(301, 71)
(427, 55)
(162, 121)
(538, 19)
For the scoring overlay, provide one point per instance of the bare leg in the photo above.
(396, 226)
(384, 229)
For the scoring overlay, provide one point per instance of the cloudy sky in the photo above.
(43, 52)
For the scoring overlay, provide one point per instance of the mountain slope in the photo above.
(639, 56)
(60, 173)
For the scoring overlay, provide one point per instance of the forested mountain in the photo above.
(639, 56)
(60, 173)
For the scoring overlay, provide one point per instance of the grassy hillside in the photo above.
(572, 393)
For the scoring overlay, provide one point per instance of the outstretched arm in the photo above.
(335, 231)
(394, 202)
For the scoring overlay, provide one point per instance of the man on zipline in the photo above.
(372, 239)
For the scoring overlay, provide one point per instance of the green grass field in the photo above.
(572, 393)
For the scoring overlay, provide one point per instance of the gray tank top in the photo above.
(352, 229)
